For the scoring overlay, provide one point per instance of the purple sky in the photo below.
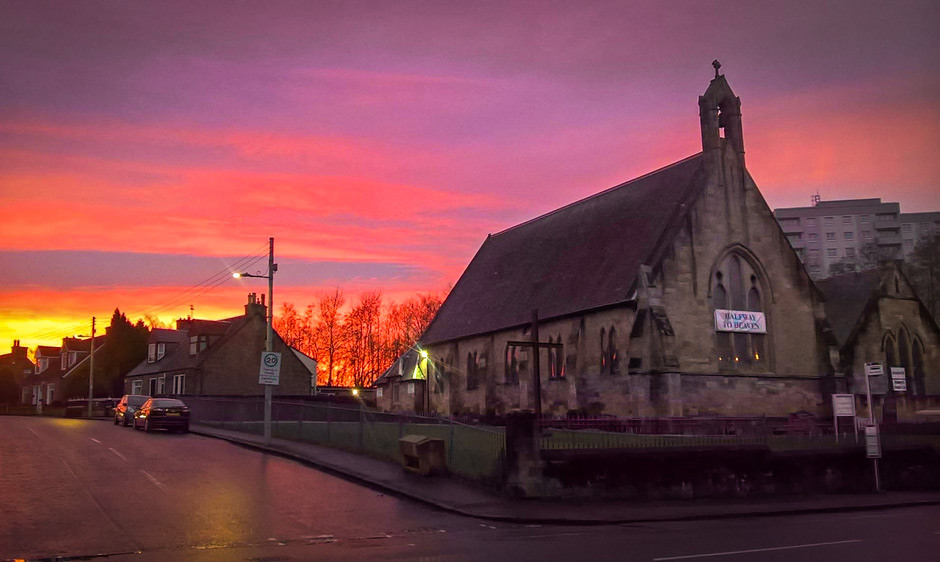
(379, 142)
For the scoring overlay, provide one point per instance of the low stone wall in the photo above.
(743, 472)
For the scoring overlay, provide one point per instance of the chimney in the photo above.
(262, 299)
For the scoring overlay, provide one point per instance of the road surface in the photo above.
(73, 488)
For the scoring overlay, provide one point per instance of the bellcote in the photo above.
(720, 113)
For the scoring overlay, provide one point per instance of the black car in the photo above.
(162, 413)
(129, 404)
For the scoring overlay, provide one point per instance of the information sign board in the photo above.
(740, 321)
(270, 368)
(874, 369)
(872, 442)
(898, 379)
(843, 405)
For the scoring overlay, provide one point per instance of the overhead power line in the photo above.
(175, 301)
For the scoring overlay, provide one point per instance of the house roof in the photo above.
(99, 346)
(403, 367)
(176, 357)
(846, 296)
(81, 344)
(177, 352)
(309, 362)
(583, 256)
(47, 350)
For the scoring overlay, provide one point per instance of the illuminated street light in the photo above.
(269, 342)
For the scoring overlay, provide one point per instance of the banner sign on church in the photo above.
(740, 321)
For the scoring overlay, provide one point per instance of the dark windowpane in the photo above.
(736, 284)
(721, 297)
(920, 385)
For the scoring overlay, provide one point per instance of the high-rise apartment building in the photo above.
(830, 232)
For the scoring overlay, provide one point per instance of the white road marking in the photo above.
(96, 441)
(553, 535)
(120, 456)
(156, 482)
(712, 554)
(858, 517)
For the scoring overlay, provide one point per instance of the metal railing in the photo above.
(473, 452)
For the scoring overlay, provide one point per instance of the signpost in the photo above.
(871, 430)
(843, 405)
(269, 342)
(872, 443)
(898, 379)
(270, 368)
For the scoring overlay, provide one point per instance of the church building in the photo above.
(672, 294)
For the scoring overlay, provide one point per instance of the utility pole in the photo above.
(269, 339)
(91, 367)
(269, 342)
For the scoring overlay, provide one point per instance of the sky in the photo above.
(148, 149)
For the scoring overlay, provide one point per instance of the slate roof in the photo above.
(403, 367)
(846, 296)
(177, 353)
(48, 350)
(583, 256)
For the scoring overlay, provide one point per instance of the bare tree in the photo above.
(363, 330)
(328, 330)
(291, 327)
(923, 271)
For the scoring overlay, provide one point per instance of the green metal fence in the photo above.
(473, 452)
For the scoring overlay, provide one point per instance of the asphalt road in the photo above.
(82, 488)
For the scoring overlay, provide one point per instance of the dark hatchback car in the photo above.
(127, 407)
(162, 413)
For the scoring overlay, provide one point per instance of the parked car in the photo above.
(129, 404)
(162, 413)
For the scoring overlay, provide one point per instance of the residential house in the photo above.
(53, 365)
(403, 386)
(218, 357)
(14, 367)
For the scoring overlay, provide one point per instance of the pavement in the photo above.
(465, 498)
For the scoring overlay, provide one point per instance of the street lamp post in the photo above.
(91, 367)
(269, 339)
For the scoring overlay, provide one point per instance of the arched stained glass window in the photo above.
(736, 286)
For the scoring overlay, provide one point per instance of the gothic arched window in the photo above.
(736, 286)
(904, 358)
(512, 366)
(612, 357)
(472, 371)
(891, 352)
(917, 359)
(556, 363)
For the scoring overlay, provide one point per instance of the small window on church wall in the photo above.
(556, 361)
(743, 344)
(612, 353)
(511, 366)
(917, 361)
(610, 361)
(891, 354)
(472, 371)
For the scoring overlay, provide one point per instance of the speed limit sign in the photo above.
(270, 368)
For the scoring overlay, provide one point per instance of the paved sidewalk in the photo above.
(457, 496)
